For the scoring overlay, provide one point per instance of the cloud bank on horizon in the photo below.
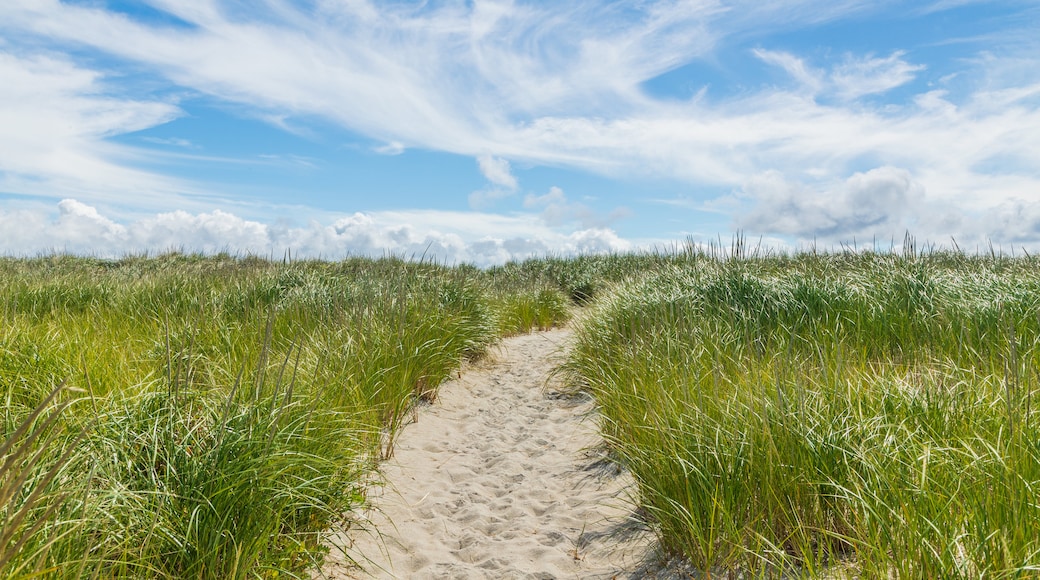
(490, 130)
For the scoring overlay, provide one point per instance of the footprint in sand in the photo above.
(498, 485)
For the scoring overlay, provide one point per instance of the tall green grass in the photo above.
(221, 414)
(580, 278)
(819, 413)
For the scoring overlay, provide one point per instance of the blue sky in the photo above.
(483, 131)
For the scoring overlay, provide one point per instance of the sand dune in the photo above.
(501, 478)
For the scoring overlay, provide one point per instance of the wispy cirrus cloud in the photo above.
(172, 141)
(810, 79)
(440, 76)
(55, 118)
(553, 84)
(869, 75)
(853, 78)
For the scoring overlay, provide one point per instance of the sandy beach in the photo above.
(501, 477)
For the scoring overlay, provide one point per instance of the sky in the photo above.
(484, 131)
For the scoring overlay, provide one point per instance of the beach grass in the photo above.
(181, 416)
(847, 414)
(852, 414)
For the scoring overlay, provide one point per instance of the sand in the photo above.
(502, 477)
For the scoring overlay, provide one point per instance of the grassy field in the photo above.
(858, 415)
(190, 417)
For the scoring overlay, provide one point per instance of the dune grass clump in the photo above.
(582, 278)
(220, 414)
(861, 414)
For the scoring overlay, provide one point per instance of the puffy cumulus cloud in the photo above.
(554, 197)
(879, 200)
(556, 210)
(448, 237)
(553, 83)
(81, 224)
(1008, 225)
(206, 232)
(497, 171)
(881, 204)
(501, 182)
(1013, 223)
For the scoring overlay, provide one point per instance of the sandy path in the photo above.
(500, 479)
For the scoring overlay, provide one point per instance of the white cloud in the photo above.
(468, 80)
(502, 182)
(484, 199)
(82, 223)
(174, 141)
(796, 67)
(559, 84)
(55, 118)
(554, 197)
(880, 204)
(497, 171)
(391, 148)
(870, 75)
(556, 210)
(878, 201)
(853, 78)
(449, 237)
